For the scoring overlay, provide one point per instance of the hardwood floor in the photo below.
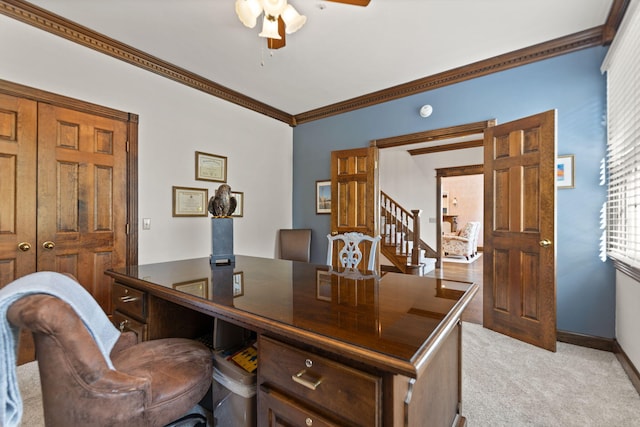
(469, 273)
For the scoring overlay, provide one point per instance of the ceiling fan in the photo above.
(279, 19)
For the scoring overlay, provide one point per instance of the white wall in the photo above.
(175, 121)
(398, 178)
(628, 316)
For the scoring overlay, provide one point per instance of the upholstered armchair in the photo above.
(464, 243)
(153, 383)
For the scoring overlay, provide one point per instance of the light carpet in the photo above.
(504, 383)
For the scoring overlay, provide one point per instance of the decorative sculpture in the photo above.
(223, 204)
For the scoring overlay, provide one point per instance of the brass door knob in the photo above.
(24, 246)
(545, 243)
(48, 245)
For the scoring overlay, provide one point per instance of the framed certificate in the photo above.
(190, 201)
(211, 167)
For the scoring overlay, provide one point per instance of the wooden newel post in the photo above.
(415, 252)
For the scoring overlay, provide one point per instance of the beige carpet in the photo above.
(504, 383)
(510, 383)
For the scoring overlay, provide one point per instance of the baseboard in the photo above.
(605, 344)
(627, 365)
(589, 341)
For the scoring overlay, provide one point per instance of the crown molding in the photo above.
(550, 49)
(55, 24)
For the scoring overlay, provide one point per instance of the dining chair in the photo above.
(350, 254)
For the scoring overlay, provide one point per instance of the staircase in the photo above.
(401, 243)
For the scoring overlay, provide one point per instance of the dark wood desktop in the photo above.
(332, 349)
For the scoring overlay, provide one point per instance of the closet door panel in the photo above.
(82, 187)
(18, 130)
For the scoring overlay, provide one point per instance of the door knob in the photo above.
(24, 246)
(545, 243)
(48, 245)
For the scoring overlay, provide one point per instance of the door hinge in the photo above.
(127, 146)
(126, 229)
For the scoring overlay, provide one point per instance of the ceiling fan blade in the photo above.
(275, 43)
(353, 2)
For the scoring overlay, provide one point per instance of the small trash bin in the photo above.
(233, 394)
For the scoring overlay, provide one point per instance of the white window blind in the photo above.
(622, 66)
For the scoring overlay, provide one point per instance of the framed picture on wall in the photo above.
(189, 201)
(239, 195)
(211, 167)
(565, 171)
(323, 197)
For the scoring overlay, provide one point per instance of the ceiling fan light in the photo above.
(248, 11)
(274, 7)
(292, 19)
(270, 29)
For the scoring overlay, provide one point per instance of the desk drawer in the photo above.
(339, 389)
(125, 323)
(130, 301)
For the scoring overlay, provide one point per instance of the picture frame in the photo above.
(188, 201)
(565, 171)
(198, 287)
(239, 212)
(323, 285)
(238, 284)
(211, 167)
(323, 197)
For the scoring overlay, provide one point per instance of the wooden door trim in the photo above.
(26, 92)
(434, 135)
(448, 172)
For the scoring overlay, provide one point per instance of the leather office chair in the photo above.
(295, 245)
(154, 382)
(350, 255)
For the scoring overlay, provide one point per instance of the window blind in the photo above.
(622, 67)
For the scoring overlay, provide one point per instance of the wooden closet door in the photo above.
(82, 208)
(18, 130)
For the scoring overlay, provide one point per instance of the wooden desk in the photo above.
(387, 351)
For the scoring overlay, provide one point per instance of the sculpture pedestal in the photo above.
(222, 242)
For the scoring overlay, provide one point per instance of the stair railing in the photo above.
(400, 227)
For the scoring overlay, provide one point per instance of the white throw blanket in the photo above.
(70, 291)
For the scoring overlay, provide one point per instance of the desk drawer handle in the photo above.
(126, 299)
(122, 325)
(311, 384)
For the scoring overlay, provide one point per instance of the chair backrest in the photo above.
(476, 235)
(295, 245)
(350, 255)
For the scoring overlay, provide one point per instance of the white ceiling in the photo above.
(342, 51)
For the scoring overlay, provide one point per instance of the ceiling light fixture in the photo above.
(279, 17)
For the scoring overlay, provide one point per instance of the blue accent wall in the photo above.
(573, 85)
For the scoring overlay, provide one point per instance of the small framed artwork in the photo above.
(211, 167)
(198, 287)
(323, 197)
(239, 195)
(565, 172)
(190, 201)
(323, 285)
(238, 284)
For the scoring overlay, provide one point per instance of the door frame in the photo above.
(21, 91)
(445, 173)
